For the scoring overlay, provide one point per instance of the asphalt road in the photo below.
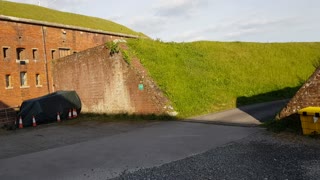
(250, 115)
(263, 155)
(160, 150)
(110, 156)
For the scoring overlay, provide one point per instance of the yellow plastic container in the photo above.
(310, 120)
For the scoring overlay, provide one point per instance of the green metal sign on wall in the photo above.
(141, 87)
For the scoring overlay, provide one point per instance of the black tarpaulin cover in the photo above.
(45, 108)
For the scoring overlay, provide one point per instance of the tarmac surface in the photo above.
(262, 155)
(251, 115)
(161, 150)
(110, 155)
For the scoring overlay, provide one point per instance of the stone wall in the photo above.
(108, 84)
(308, 95)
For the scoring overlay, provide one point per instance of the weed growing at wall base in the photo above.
(113, 47)
(125, 56)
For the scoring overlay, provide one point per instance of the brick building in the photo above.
(27, 49)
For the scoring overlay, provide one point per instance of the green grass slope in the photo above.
(44, 14)
(203, 77)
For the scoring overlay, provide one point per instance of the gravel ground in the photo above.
(260, 156)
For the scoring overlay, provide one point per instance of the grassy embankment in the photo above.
(44, 14)
(203, 77)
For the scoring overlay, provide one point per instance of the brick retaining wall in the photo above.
(107, 84)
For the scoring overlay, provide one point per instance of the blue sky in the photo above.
(215, 20)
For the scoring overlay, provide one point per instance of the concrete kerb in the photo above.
(220, 123)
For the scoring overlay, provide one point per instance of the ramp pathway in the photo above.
(251, 115)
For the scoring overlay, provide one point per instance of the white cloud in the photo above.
(174, 8)
(189, 20)
(238, 29)
(66, 5)
(62, 5)
(149, 25)
(35, 2)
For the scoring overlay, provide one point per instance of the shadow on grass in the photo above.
(266, 106)
(104, 118)
(281, 94)
(289, 124)
(85, 117)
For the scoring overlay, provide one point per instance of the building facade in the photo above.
(27, 49)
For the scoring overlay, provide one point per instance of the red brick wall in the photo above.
(308, 95)
(15, 35)
(107, 84)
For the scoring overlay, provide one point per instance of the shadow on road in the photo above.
(251, 111)
(285, 93)
(273, 105)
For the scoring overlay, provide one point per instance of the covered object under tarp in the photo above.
(46, 108)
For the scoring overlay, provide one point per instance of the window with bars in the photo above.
(5, 52)
(21, 54)
(8, 81)
(38, 82)
(53, 54)
(23, 79)
(35, 54)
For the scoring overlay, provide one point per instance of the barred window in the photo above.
(21, 54)
(38, 82)
(8, 81)
(5, 52)
(23, 79)
(35, 54)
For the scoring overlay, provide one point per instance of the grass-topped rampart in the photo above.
(49, 15)
(203, 77)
